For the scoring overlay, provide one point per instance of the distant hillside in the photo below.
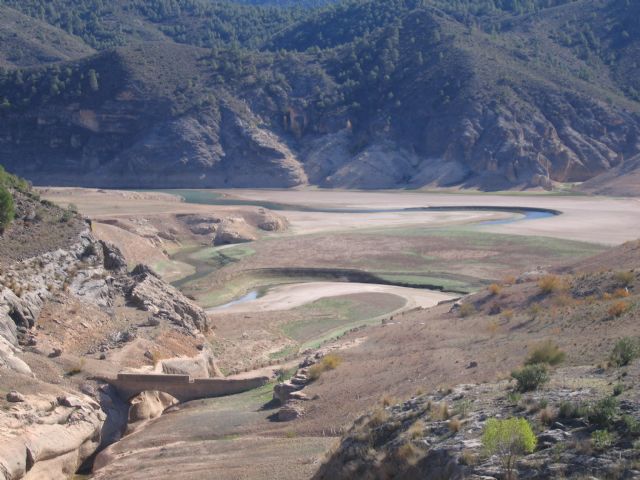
(360, 93)
(29, 42)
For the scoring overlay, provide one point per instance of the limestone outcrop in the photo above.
(47, 436)
(148, 292)
(148, 405)
(234, 230)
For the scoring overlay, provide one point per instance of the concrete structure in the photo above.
(182, 387)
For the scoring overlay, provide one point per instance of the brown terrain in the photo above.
(383, 342)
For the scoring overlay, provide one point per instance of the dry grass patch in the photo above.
(495, 289)
(619, 308)
(467, 309)
(547, 416)
(454, 425)
(328, 362)
(551, 284)
(440, 411)
(625, 278)
(388, 400)
(621, 293)
(409, 453)
(546, 352)
(416, 430)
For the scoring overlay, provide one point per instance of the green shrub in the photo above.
(618, 389)
(530, 377)
(508, 439)
(624, 352)
(567, 410)
(631, 424)
(514, 398)
(548, 353)
(604, 412)
(7, 208)
(602, 439)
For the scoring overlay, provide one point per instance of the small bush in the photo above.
(409, 453)
(463, 407)
(454, 425)
(625, 278)
(509, 439)
(378, 417)
(495, 289)
(624, 352)
(602, 439)
(619, 308)
(530, 377)
(572, 410)
(621, 293)
(416, 430)
(468, 458)
(7, 209)
(466, 310)
(548, 353)
(547, 416)
(604, 412)
(618, 389)
(440, 411)
(514, 398)
(388, 400)
(328, 362)
(550, 284)
(631, 424)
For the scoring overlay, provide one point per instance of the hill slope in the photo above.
(28, 42)
(357, 94)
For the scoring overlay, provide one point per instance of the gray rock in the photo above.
(282, 391)
(291, 411)
(113, 258)
(15, 397)
(69, 401)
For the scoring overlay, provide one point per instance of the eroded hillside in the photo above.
(70, 310)
(412, 93)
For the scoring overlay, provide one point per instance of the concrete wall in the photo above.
(182, 387)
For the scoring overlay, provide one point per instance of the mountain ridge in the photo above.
(415, 94)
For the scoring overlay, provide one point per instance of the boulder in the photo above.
(271, 222)
(291, 411)
(195, 367)
(56, 352)
(234, 230)
(69, 401)
(15, 397)
(282, 391)
(148, 405)
(203, 228)
(113, 257)
(10, 360)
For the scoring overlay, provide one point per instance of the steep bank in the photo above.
(69, 311)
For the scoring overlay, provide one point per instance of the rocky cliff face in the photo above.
(67, 315)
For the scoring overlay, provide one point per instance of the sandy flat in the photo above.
(604, 220)
(286, 297)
